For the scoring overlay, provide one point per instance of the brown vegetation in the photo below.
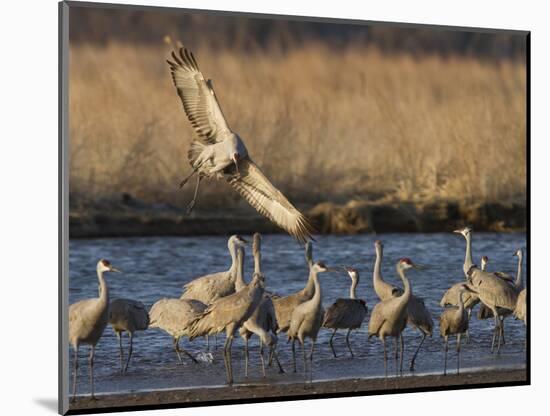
(324, 124)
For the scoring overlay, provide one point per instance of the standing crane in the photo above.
(454, 321)
(389, 317)
(220, 153)
(516, 284)
(174, 316)
(87, 321)
(346, 313)
(470, 299)
(209, 288)
(130, 316)
(307, 318)
(520, 312)
(263, 321)
(493, 292)
(284, 306)
(418, 316)
(228, 314)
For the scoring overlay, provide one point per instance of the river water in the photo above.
(154, 268)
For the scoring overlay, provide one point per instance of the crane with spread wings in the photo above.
(220, 153)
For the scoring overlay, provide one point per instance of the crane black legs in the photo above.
(227, 358)
(330, 342)
(91, 363)
(411, 367)
(195, 194)
(75, 365)
(178, 350)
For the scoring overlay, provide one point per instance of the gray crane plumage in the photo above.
(493, 292)
(211, 287)
(220, 153)
(454, 321)
(346, 313)
(520, 312)
(87, 321)
(127, 315)
(174, 316)
(469, 298)
(389, 317)
(228, 314)
(263, 321)
(418, 315)
(284, 306)
(307, 317)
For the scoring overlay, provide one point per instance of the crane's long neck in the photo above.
(239, 277)
(377, 272)
(309, 289)
(233, 253)
(103, 289)
(317, 287)
(517, 283)
(461, 302)
(407, 292)
(257, 261)
(468, 262)
(354, 282)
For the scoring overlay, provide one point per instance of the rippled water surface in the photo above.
(158, 267)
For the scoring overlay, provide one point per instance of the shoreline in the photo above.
(239, 393)
(129, 217)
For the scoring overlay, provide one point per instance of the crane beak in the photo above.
(420, 266)
(457, 231)
(112, 269)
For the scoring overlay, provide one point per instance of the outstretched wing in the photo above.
(198, 97)
(253, 186)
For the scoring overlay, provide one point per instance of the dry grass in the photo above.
(323, 124)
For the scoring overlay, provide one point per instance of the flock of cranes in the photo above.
(225, 302)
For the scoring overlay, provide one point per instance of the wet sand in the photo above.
(294, 390)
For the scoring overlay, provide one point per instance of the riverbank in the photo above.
(297, 390)
(129, 217)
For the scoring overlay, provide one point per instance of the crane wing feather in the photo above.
(198, 98)
(254, 186)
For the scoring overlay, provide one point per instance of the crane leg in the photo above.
(468, 331)
(184, 180)
(227, 358)
(411, 367)
(91, 362)
(311, 361)
(262, 357)
(402, 353)
(495, 332)
(195, 194)
(458, 353)
(304, 354)
(396, 353)
(207, 343)
(176, 348)
(330, 342)
(75, 365)
(276, 356)
(246, 357)
(120, 352)
(294, 355)
(446, 349)
(129, 352)
(385, 357)
(502, 332)
(348, 344)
